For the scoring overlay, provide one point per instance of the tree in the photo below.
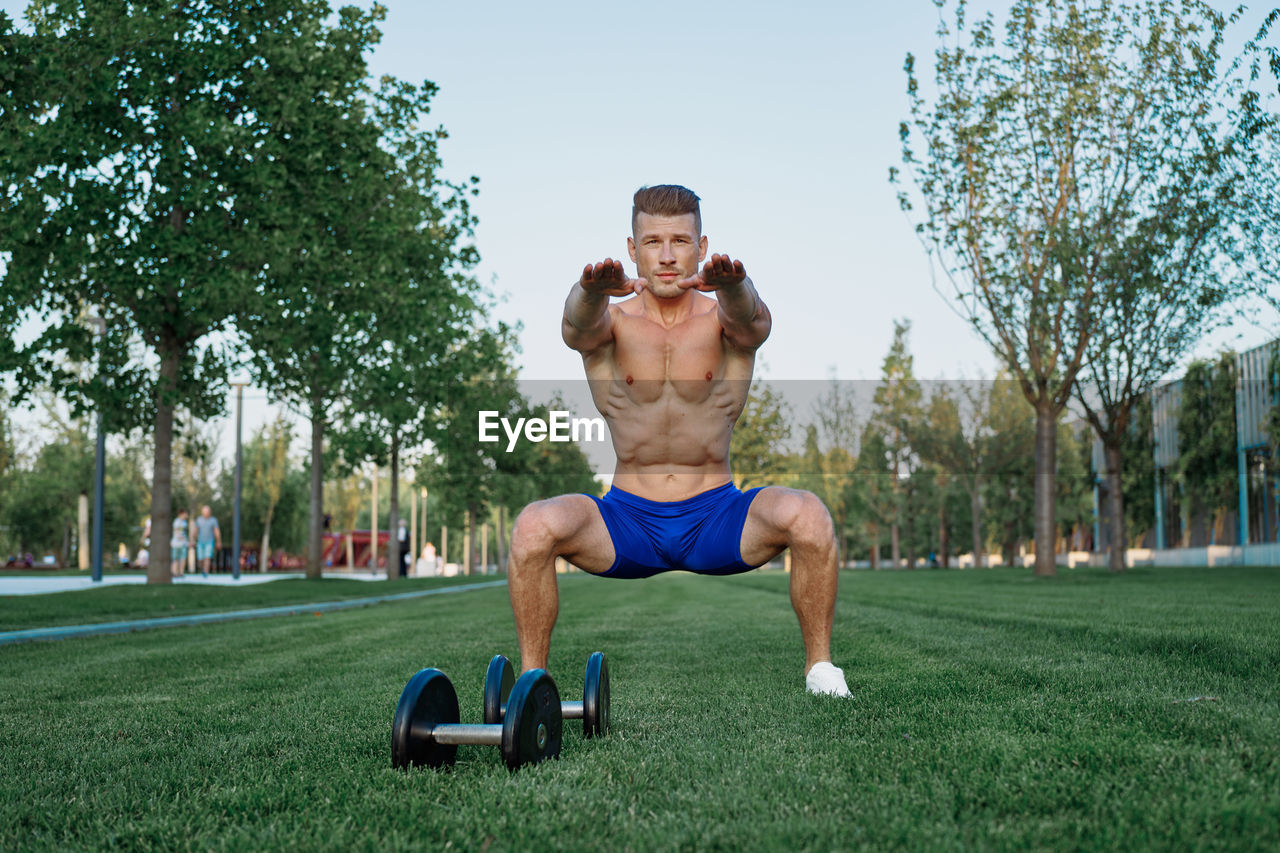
(47, 485)
(1271, 426)
(1048, 160)
(370, 273)
(966, 434)
(266, 466)
(1207, 469)
(1173, 258)
(896, 403)
(1258, 212)
(142, 145)
(1009, 484)
(758, 447)
(1075, 498)
(1138, 479)
(954, 459)
(832, 456)
(468, 479)
(430, 335)
(869, 492)
(194, 481)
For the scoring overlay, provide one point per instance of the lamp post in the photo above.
(99, 463)
(235, 518)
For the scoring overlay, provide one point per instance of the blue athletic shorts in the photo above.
(702, 534)
(204, 550)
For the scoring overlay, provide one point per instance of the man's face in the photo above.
(666, 249)
(205, 511)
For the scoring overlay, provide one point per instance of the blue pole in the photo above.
(235, 521)
(1243, 471)
(99, 475)
(1159, 513)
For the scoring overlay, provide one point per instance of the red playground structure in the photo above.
(335, 554)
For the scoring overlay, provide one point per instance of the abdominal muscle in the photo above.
(671, 449)
(671, 396)
(671, 417)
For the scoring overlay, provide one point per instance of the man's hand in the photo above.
(720, 271)
(609, 279)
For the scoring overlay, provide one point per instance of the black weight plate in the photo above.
(497, 688)
(533, 726)
(595, 697)
(428, 700)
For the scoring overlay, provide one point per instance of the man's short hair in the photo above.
(666, 200)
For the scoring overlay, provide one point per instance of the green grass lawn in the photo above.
(992, 711)
(126, 601)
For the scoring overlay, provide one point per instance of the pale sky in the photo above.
(784, 119)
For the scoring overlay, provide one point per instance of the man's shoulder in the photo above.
(632, 306)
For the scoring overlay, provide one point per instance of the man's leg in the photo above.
(569, 526)
(788, 518)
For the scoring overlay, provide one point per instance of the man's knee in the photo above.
(805, 518)
(541, 529)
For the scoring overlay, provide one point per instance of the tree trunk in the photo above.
(351, 552)
(1046, 497)
(315, 533)
(975, 522)
(1009, 547)
(499, 540)
(82, 534)
(468, 529)
(1118, 542)
(264, 552)
(393, 522)
(875, 546)
(895, 544)
(158, 570)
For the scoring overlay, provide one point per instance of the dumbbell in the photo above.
(426, 730)
(593, 710)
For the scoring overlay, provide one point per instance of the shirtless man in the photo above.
(669, 369)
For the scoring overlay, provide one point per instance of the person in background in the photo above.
(178, 544)
(208, 539)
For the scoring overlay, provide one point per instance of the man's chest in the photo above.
(689, 352)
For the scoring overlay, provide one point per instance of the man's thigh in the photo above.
(579, 532)
(765, 533)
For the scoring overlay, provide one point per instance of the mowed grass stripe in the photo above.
(275, 734)
(66, 632)
(128, 602)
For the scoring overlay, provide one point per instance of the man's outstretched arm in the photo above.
(743, 315)
(587, 325)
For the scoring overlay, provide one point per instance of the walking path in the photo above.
(67, 631)
(38, 585)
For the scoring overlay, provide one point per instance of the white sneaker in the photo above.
(826, 679)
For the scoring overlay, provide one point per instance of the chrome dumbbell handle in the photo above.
(568, 710)
(461, 733)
